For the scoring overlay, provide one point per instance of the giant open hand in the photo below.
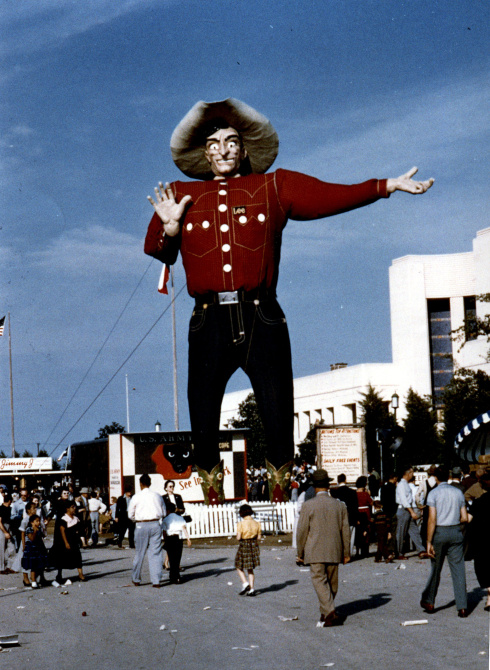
(169, 211)
(407, 184)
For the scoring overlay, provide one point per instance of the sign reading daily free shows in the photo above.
(340, 449)
(29, 464)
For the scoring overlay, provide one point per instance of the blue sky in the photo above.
(90, 94)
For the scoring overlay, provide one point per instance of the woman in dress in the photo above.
(248, 554)
(364, 518)
(66, 544)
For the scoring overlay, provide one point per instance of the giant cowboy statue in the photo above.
(228, 227)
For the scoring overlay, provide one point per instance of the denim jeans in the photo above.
(447, 541)
(255, 338)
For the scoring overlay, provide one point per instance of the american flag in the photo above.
(2, 325)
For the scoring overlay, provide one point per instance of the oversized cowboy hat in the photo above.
(258, 135)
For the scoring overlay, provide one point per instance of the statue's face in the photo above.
(224, 153)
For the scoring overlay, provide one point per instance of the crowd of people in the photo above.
(78, 519)
(444, 515)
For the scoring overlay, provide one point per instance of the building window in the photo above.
(470, 327)
(353, 410)
(441, 346)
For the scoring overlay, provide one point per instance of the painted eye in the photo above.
(219, 476)
(213, 147)
(186, 455)
(171, 454)
(232, 144)
(287, 475)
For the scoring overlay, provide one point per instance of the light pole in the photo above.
(395, 404)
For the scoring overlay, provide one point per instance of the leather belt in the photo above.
(145, 520)
(234, 297)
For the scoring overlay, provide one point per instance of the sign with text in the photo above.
(340, 451)
(26, 464)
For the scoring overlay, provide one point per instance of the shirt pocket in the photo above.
(250, 226)
(199, 233)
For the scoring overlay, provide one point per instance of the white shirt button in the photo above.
(226, 247)
(189, 226)
(242, 219)
(227, 267)
(222, 208)
(205, 224)
(222, 192)
(224, 228)
(261, 217)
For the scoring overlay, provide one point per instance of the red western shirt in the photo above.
(230, 237)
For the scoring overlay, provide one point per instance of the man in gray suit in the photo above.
(323, 540)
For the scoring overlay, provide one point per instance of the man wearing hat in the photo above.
(323, 541)
(228, 228)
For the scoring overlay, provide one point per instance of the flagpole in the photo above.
(11, 389)
(174, 338)
(127, 405)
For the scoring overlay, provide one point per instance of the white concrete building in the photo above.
(429, 297)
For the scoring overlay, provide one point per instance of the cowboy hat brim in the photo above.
(258, 135)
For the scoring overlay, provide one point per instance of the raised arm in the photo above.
(407, 184)
(168, 209)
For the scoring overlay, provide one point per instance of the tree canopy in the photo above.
(422, 443)
(112, 429)
(249, 417)
(376, 416)
(466, 396)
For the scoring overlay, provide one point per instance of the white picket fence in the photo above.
(221, 520)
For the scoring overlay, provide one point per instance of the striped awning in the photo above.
(473, 440)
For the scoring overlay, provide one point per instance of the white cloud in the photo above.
(35, 24)
(91, 252)
(435, 125)
(22, 130)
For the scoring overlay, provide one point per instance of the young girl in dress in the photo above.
(66, 544)
(248, 554)
(35, 554)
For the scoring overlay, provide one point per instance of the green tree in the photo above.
(112, 429)
(43, 452)
(475, 327)
(308, 448)
(376, 416)
(26, 454)
(422, 442)
(466, 396)
(249, 417)
(2, 454)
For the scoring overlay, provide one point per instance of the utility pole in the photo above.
(11, 390)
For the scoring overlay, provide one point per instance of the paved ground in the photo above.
(207, 625)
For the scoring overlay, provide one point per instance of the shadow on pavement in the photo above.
(372, 602)
(90, 562)
(278, 587)
(188, 566)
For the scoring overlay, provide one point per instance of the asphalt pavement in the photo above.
(108, 624)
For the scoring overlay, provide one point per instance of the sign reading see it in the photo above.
(340, 451)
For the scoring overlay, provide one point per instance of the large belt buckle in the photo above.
(228, 298)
